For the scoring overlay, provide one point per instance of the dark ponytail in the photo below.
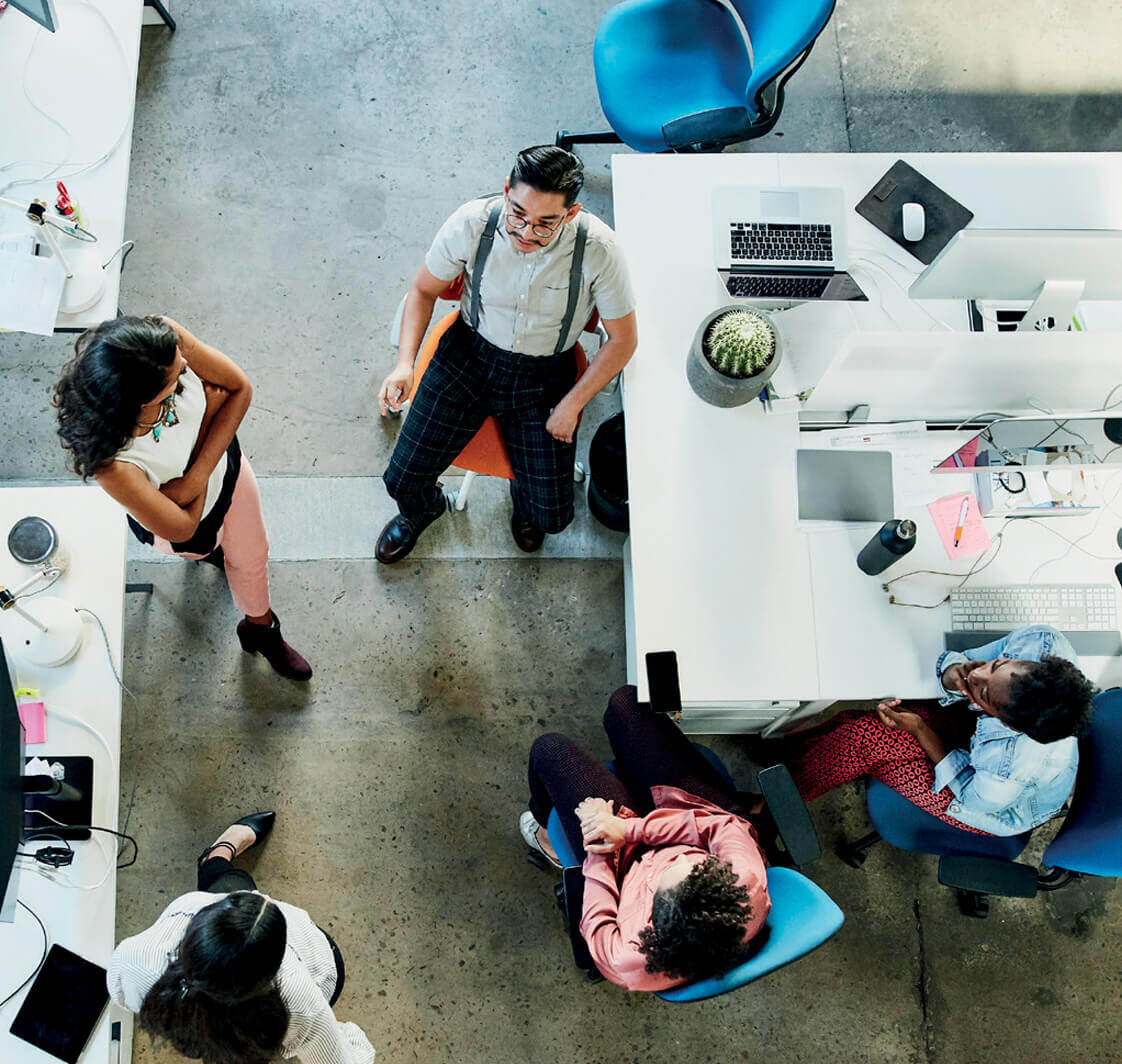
(118, 367)
(218, 1000)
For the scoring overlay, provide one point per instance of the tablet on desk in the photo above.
(63, 1006)
(840, 485)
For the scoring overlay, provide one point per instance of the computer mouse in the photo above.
(913, 218)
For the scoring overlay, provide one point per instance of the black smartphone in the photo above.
(63, 1006)
(662, 681)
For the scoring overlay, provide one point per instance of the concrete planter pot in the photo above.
(711, 384)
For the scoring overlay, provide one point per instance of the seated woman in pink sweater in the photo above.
(675, 881)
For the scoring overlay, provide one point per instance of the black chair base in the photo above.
(566, 140)
(163, 12)
(854, 853)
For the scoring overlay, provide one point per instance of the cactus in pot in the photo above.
(740, 343)
(734, 353)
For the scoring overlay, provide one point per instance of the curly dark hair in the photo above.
(117, 367)
(1049, 700)
(218, 1000)
(697, 928)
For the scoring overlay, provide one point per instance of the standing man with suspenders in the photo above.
(535, 267)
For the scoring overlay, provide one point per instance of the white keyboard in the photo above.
(1068, 607)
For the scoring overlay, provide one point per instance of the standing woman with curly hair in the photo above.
(675, 883)
(152, 413)
(227, 975)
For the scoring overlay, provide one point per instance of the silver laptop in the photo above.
(782, 243)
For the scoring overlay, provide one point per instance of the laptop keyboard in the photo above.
(780, 242)
(772, 287)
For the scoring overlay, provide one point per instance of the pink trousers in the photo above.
(245, 545)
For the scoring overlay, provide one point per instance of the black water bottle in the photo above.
(893, 540)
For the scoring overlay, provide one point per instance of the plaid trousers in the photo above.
(467, 380)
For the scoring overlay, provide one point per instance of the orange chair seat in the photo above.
(485, 452)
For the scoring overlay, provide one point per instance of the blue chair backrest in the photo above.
(907, 827)
(779, 31)
(802, 917)
(1091, 839)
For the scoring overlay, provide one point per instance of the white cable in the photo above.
(48, 874)
(918, 306)
(130, 102)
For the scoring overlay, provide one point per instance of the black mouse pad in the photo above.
(904, 184)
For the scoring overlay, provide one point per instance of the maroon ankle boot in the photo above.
(267, 641)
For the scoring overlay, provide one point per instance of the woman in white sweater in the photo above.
(237, 978)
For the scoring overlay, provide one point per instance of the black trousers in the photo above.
(218, 876)
(468, 380)
(649, 750)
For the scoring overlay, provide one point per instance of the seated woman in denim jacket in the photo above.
(997, 755)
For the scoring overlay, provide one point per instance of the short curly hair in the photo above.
(118, 367)
(697, 928)
(1049, 700)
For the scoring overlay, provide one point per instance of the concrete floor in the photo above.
(290, 163)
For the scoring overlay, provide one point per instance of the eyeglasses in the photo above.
(541, 230)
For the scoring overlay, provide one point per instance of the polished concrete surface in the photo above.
(290, 164)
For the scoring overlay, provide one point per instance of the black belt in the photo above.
(205, 538)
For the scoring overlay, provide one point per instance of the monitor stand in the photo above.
(74, 806)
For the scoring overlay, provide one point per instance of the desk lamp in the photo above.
(48, 631)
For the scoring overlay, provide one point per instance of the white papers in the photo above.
(30, 292)
(912, 485)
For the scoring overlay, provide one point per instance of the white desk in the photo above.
(716, 568)
(92, 527)
(75, 75)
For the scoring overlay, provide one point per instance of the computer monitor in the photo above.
(1053, 269)
(42, 11)
(1040, 444)
(11, 791)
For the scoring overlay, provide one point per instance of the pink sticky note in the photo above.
(965, 457)
(945, 514)
(33, 715)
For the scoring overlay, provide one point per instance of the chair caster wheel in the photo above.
(973, 904)
(851, 856)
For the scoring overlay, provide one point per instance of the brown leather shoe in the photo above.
(266, 640)
(400, 536)
(528, 536)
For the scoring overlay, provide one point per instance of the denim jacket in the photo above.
(1007, 783)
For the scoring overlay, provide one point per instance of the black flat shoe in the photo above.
(400, 536)
(259, 823)
(528, 537)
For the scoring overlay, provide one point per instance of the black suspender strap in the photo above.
(574, 281)
(481, 255)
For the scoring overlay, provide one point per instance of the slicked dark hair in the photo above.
(218, 1000)
(697, 928)
(118, 367)
(1049, 700)
(547, 168)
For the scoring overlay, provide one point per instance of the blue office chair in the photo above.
(1089, 843)
(697, 75)
(802, 916)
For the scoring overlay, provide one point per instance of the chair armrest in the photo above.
(570, 900)
(988, 875)
(789, 814)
